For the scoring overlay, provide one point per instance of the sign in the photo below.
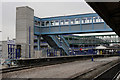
(80, 49)
(11, 42)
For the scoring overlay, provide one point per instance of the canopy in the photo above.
(101, 47)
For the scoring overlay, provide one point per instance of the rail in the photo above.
(111, 73)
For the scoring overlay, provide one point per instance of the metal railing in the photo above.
(60, 41)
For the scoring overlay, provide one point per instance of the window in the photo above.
(42, 23)
(47, 23)
(89, 19)
(72, 21)
(77, 21)
(95, 19)
(52, 23)
(62, 22)
(56, 22)
(37, 23)
(66, 21)
(83, 20)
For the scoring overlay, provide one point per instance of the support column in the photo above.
(25, 31)
(39, 42)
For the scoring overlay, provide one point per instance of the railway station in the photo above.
(74, 47)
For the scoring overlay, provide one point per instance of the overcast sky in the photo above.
(41, 9)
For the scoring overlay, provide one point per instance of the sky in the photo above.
(42, 8)
(0, 14)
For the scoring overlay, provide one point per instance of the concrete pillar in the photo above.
(25, 31)
(4, 50)
(38, 42)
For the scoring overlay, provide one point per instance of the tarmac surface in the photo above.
(64, 70)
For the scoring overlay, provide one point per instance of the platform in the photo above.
(57, 59)
(64, 70)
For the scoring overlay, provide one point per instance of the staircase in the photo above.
(57, 42)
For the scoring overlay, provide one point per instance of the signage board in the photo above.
(11, 42)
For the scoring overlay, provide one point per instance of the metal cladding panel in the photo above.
(99, 26)
(54, 29)
(75, 28)
(44, 29)
(72, 24)
(86, 27)
(37, 29)
(64, 28)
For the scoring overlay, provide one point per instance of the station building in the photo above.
(29, 43)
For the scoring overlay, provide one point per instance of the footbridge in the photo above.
(109, 11)
(72, 24)
(52, 28)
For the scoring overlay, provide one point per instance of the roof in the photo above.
(101, 47)
(68, 16)
(110, 12)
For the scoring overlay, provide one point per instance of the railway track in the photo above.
(109, 74)
(15, 69)
(99, 77)
(44, 62)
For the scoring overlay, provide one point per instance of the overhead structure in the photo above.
(92, 40)
(51, 30)
(71, 24)
(109, 11)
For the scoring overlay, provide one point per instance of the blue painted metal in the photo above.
(69, 25)
(47, 52)
(49, 27)
(92, 20)
(92, 58)
(52, 52)
(65, 41)
(17, 53)
(29, 42)
(105, 25)
(59, 43)
(92, 24)
(55, 40)
(82, 52)
(80, 24)
(11, 51)
(60, 52)
(82, 18)
(59, 26)
(73, 32)
(8, 51)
